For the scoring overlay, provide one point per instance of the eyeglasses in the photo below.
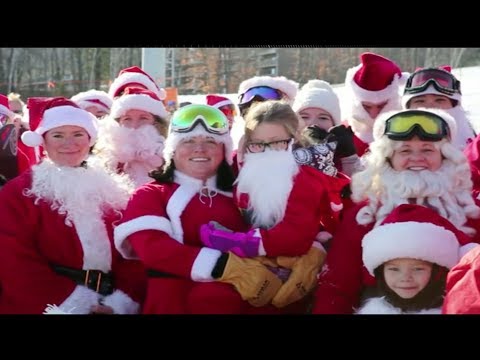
(443, 81)
(426, 125)
(277, 145)
(188, 117)
(261, 92)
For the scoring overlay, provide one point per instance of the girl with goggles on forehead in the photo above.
(283, 202)
(161, 225)
(412, 160)
(438, 88)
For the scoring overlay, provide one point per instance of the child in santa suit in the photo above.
(283, 201)
(56, 232)
(132, 136)
(410, 254)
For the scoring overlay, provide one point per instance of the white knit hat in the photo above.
(318, 94)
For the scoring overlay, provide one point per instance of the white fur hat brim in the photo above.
(174, 138)
(138, 102)
(415, 240)
(61, 116)
(318, 98)
(395, 89)
(380, 122)
(83, 99)
(132, 78)
(288, 87)
(430, 90)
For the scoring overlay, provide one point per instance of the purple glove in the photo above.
(215, 236)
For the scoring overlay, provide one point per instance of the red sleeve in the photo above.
(149, 232)
(295, 234)
(472, 152)
(463, 286)
(341, 279)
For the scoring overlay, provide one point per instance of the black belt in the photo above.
(159, 274)
(93, 279)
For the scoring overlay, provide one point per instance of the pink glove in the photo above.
(215, 236)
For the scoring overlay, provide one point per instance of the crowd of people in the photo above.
(112, 204)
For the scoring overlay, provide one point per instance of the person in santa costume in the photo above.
(132, 137)
(411, 161)
(134, 77)
(284, 202)
(15, 157)
(410, 254)
(225, 105)
(161, 225)
(372, 88)
(438, 88)
(56, 231)
(319, 107)
(94, 101)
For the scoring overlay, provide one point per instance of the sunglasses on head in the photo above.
(426, 125)
(261, 92)
(443, 81)
(188, 117)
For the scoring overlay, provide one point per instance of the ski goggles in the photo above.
(261, 92)
(426, 125)
(188, 117)
(228, 110)
(443, 81)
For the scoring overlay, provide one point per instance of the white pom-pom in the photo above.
(31, 138)
(162, 94)
(317, 84)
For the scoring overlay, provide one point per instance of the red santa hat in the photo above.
(377, 79)
(413, 231)
(286, 86)
(49, 113)
(4, 107)
(432, 90)
(135, 77)
(97, 98)
(380, 122)
(138, 99)
(318, 94)
(174, 137)
(218, 101)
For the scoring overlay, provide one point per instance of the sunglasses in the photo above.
(228, 110)
(261, 92)
(188, 117)
(443, 81)
(426, 125)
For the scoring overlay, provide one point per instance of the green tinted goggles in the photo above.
(188, 117)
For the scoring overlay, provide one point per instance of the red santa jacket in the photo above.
(314, 202)
(33, 237)
(463, 286)
(161, 227)
(344, 277)
(472, 152)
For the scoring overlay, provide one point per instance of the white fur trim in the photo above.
(323, 236)
(7, 111)
(82, 99)
(174, 138)
(79, 301)
(121, 303)
(430, 90)
(204, 264)
(176, 204)
(379, 125)
(134, 77)
(336, 207)
(379, 306)
(317, 97)
(223, 103)
(138, 102)
(466, 248)
(288, 87)
(393, 90)
(60, 116)
(261, 248)
(424, 241)
(318, 245)
(147, 222)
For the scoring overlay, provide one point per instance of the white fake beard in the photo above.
(447, 190)
(267, 178)
(118, 144)
(78, 192)
(464, 127)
